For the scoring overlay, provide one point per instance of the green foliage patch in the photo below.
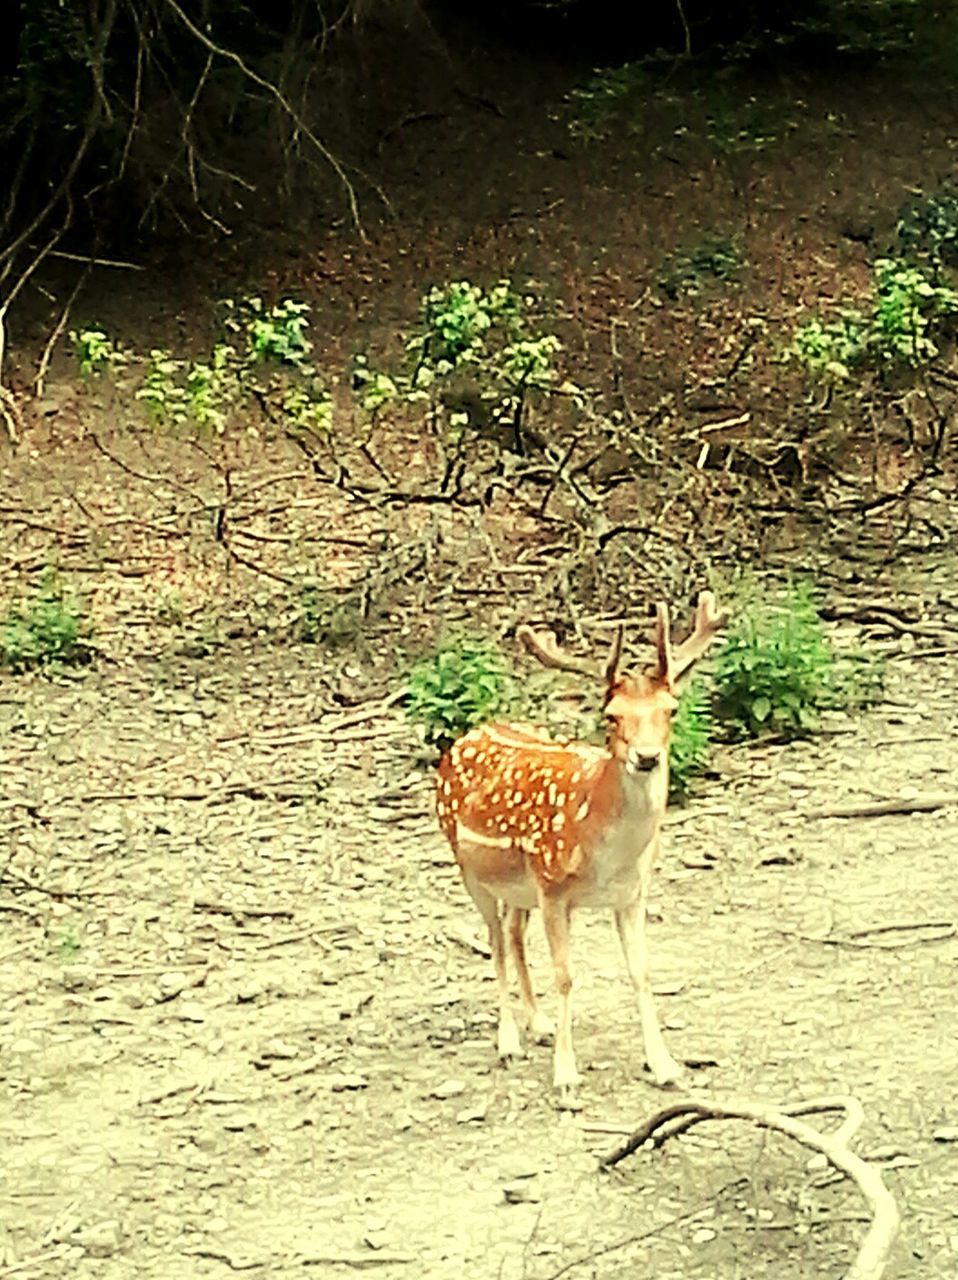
(776, 670)
(43, 629)
(909, 312)
(464, 683)
(262, 360)
(693, 726)
(715, 259)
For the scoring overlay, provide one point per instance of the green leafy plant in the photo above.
(456, 318)
(714, 259)
(42, 630)
(592, 107)
(908, 313)
(273, 333)
(829, 350)
(692, 728)
(927, 228)
(263, 366)
(95, 353)
(474, 359)
(776, 669)
(465, 682)
(907, 307)
(162, 391)
(68, 946)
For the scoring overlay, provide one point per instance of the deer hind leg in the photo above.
(540, 1025)
(508, 1041)
(630, 923)
(555, 917)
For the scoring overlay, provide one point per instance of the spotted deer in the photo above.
(540, 821)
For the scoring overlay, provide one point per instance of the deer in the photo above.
(558, 824)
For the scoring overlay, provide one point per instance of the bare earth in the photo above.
(248, 1028)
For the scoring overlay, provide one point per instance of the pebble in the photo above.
(344, 1082)
(945, 1133)
(171, 984)
(100, 1240)
(78, 977)
(472, 1115)
(448, 1089)
(521, 1191)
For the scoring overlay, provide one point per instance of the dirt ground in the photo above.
(248, 1025)
(249, 1014)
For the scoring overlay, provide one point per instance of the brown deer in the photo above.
(539, 821)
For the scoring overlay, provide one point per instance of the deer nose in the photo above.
(642, 761)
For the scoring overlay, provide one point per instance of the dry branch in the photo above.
(874, 1250)
(882, 808)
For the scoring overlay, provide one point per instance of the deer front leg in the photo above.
(630, 923)
(555, 918)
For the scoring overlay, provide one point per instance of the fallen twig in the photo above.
(882, 808)
(874, 1250)
(856, 938)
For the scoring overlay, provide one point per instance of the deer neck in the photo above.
(630, 805)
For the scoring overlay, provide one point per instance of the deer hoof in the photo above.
(509, 1044)
(542, 1028)
(567, 1098)
(667, 1075)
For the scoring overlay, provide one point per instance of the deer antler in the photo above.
(546, 650)
(706, 625)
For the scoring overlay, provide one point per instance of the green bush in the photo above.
(692, 728)
(42, 630)
(909, 312)
(776, 669)
(714, 259)
(927, 228)
(465, 682)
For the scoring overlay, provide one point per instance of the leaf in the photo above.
(761, 709)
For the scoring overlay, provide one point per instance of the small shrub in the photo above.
(692, 728)
(715, 258)
(591, 107)
(43, 630)
(95, 353)
(456, 318)
(465, 682)
(907, 307)
(776, 669)
(272, 333)
(927, 229)
(829, 351)
(909, 311)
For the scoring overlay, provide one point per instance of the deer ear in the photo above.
(664, 671)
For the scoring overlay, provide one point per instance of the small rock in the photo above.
(99, 1241)
(792, 778)
(190, 1011)
(448, 1089)
(169, 985)
(78, 977)
(242, 1120)
(23, 1045)
(279, 1049)
(403, 1121)
(344, 1082)
(472, 1115)
(703, 1235)
(521, 1191)
(946, 1133)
